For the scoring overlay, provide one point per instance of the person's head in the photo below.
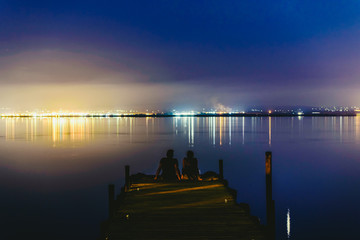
(170, 153)
(190, 154)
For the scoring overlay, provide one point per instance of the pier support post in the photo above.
(221, 170)
(270, 203)
(111, 199)
(127, 178)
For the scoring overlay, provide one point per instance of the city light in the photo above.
(281, 111)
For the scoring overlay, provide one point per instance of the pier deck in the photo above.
(181, 210)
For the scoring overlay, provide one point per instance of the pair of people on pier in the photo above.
(170, 168)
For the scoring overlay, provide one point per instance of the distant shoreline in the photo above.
(352, 114)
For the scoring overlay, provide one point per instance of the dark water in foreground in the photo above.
(54, 171)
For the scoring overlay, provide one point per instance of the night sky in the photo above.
(82, 55)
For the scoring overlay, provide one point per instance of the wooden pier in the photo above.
(206, 209)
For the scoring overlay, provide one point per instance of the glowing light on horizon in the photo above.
(124, 113)
(74, 114)
(191, 113)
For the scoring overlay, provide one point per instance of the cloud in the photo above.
(58, 67)
(310, 73)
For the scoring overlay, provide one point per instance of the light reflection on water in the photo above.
(313, 156)
(288, 224)
(52, 130)
(221, 130)
(62, 131)
(269, 131)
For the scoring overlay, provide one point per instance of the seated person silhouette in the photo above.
(190, 169)
(169, 167)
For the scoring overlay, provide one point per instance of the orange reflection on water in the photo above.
(357, 127)
(50, 130)
(72, 129)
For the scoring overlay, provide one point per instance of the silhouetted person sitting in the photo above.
(169, 167)
(190, 167)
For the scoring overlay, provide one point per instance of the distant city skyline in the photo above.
(92, 55)
(262, 110)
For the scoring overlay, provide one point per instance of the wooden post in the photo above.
(221, 169)
(270, 203)
(111, 199)
(127, 178)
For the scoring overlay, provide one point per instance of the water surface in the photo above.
(54, 171)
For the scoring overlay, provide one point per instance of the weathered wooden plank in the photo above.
(181, 210)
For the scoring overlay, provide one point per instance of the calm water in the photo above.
(54, 171)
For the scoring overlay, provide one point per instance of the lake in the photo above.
(55, 171)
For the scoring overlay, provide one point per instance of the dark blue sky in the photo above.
(166, 54)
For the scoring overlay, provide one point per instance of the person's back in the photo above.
(169, 168)
(190, 167)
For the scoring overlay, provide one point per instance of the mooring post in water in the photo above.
(111, 199)
(127, 178)
(270, 203)
(221, 169)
